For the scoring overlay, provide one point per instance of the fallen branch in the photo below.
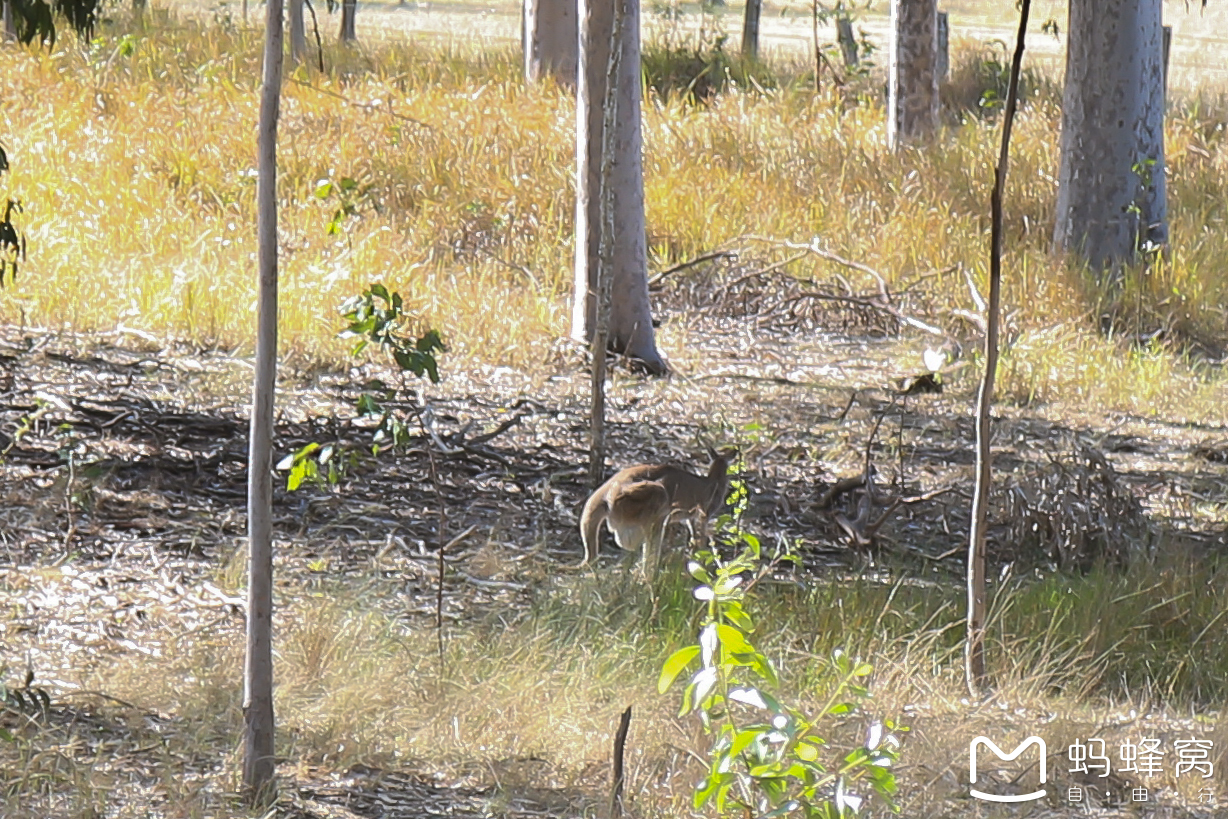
(883, 304)
(871, 304)
(706, 257)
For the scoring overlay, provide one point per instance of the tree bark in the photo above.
(847, 40)
(750, 29)
(10, 22)
(944, 46)
(631, 330)
(1111, 191)
(258, 759)
(349, 11)
(912, 72)
(298, 31)
(551, 37)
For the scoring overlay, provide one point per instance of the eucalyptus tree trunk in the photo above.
(349, 11)
(10, 22)
(258, 760)
(1111, 197)
(912, 72)
(551, 40)
(630, 330)
(298, 31)
(750, 29)
(944, 46)
(847, 40)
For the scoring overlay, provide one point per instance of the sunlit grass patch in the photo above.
(135, 156)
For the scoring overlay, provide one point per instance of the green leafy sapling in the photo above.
(375, 317)
(768, 758)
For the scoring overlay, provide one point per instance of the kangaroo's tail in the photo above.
(594, 515)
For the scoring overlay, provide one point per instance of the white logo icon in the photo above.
(988, 743)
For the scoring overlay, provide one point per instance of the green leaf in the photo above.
(737, 615)
(722, 795)
(786, 808)
(732, 640)
(704, 790)
(743, 740)
(698, 572)
(430, 342)
(367, 405)
(688, 700)
(748, 695)
(674, 666)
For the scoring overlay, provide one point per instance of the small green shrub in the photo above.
(979, 78)
(768, 758)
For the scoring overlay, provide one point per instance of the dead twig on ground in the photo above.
(706, 257)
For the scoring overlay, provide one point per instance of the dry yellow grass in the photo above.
(135, 157)
(357, 685)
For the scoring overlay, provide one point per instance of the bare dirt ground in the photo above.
(124, 462)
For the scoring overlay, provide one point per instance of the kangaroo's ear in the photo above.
(712, 456)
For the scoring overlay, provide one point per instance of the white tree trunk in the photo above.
(631, 329)
(298, 31)
(551, 40)
(1111, 196)
(10, 22)
(912, 72)
(258, 760)
(349, 11)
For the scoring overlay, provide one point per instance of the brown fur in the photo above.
(637, 504)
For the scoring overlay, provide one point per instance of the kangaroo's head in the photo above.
(720, 461)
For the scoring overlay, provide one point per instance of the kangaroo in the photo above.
(636, 505)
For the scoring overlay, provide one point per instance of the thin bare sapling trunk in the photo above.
(605, 252)
(258, 761)
(818, 48)
(617, 766)
(974, 647)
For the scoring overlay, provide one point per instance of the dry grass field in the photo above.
(125, 365)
